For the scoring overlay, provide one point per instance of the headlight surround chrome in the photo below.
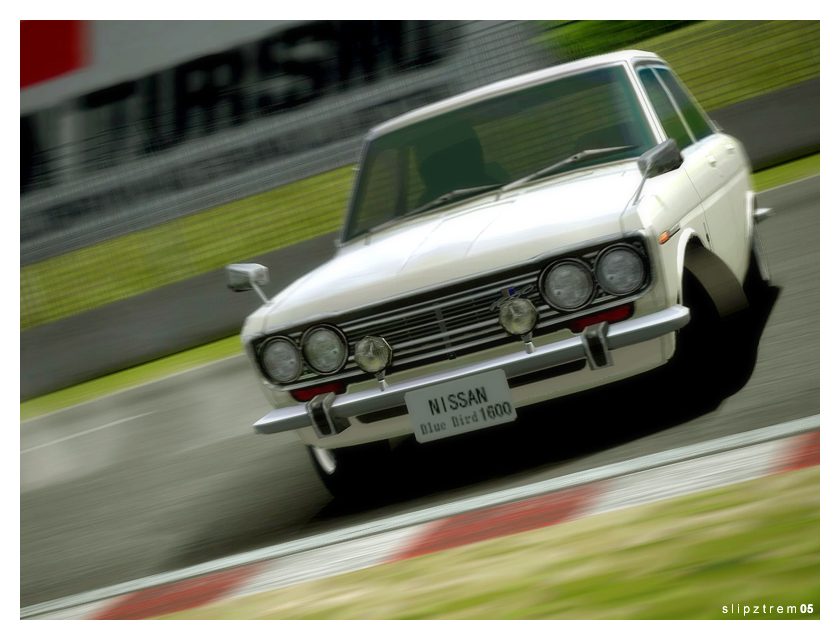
(567, 285)
(620, 270)
(281, 360)
(372, 354)
(518, 316)
(324, 348)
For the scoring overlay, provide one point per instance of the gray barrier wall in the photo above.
(778, 126)
(774, 128)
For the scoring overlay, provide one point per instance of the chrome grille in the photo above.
(434, 329)
(429, 328)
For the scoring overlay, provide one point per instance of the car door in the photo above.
(715, 166)
(675, 127)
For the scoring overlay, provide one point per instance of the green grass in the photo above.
(726, 61)
(230, 346)
(721, 61)
(788, 172)
(130, 377)
(131, 264)
(687, 558)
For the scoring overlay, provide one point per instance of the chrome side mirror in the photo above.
(244, 277)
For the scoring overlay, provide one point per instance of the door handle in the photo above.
(712, 160)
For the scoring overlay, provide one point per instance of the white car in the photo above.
(510, 245)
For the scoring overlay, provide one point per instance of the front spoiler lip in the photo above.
(620, 334)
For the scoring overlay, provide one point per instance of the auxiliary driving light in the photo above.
(518, 316)
(372, 354)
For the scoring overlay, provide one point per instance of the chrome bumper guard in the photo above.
(761, 214)
(593, 345)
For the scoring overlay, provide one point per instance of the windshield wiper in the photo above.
(572, 159)
(446, 198)
(451, 196)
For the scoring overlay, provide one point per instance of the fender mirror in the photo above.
(244, 277)
(662, 158)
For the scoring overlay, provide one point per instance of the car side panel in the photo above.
(728, 223)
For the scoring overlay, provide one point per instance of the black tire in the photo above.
(696, 342)
(354, 474)
(713, 352)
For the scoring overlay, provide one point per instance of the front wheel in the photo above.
(357, 473)
(713, 353)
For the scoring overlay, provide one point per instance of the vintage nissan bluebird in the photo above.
(526, 240)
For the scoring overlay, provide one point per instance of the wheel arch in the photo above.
(716, 278)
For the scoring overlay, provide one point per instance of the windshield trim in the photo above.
(378, 132)
(394, 222)
(497, 193)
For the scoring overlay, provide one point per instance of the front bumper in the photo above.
(593, 346)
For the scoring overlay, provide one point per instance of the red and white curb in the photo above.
(715, 463)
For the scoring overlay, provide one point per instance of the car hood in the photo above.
(464, 240)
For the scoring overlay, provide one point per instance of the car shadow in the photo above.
(543, 436)
(568, 428)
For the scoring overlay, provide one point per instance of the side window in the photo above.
(664, 108)
(693, 116)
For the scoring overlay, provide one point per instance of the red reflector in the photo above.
(615, 314)
(307, 393)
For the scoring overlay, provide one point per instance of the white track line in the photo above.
(691, 476)
(326, 562)
(87, 431)
(133, 387)
(651, 461)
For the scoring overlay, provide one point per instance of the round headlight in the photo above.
(567, 285)
(518, 316)
(325, 349)
(620, 270)
(372, 354)
(281, 360)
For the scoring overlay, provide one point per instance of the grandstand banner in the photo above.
(125, 125)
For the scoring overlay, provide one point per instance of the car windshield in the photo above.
(495, 142)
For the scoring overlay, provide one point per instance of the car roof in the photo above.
(506, 86)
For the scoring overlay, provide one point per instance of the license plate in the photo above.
(467, 404)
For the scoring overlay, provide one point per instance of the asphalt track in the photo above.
(169, 474)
